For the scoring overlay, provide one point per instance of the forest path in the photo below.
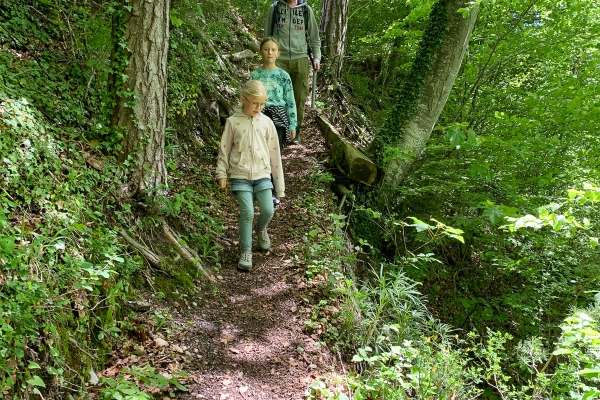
(245, 340)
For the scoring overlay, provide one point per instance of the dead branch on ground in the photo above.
(186, 252)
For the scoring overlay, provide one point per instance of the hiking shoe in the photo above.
(245, 262)
(276, 201)
(263, 239)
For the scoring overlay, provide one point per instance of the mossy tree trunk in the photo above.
(426, 90)
(334, 24)
(140, 110)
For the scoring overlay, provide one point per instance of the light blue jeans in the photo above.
(244, 190)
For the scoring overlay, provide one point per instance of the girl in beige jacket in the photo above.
(248, 156)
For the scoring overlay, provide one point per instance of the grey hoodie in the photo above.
(291, 36)
(250, 150)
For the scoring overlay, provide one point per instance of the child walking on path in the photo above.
(293, 23)
(280, 105)
(249, 155)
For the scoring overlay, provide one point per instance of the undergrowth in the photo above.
(66, 273)
(401, 351)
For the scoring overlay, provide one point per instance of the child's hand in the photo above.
(292, 135)
(222, 182)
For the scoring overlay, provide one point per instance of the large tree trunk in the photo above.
(143, 120)
(445, 65)
(334, 24)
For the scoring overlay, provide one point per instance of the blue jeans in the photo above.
(244, 191)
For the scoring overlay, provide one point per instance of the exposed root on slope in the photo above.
(185, 251)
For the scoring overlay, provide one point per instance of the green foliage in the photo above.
(409, 371)
(405, 107)
(517, 134)
(58, 260)
(138, 378)
(511, 145)
(188, 65)
(579, 342)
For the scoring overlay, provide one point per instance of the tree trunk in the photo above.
(445, 65)
(143, 117)
(334, 24)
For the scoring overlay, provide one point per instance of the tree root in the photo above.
(152, 258)
(187, 253)
(216, 54)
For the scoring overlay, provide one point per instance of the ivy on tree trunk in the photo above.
(425, 90)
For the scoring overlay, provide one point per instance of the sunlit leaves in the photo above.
(173, 15)
(438, 229)
(591, 193)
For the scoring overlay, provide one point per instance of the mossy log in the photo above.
(352, 162)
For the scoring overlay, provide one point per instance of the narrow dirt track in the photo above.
(246, 340)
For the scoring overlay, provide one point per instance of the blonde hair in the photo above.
(269, 39)
(254, 88)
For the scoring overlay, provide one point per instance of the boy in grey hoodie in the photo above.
(294, 25)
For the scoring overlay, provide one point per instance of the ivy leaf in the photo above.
(7, 245)
(33, 365)
(36, 381)
(357, 358)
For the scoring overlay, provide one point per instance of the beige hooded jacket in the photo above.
(250, 150)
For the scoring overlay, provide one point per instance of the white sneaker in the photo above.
(245, 262)
(264, 241)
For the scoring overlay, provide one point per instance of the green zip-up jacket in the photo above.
(289, 30)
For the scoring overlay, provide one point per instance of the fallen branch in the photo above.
(152, 258)
(185, 251)
(241, 55)
(341, 189)
(212, 49)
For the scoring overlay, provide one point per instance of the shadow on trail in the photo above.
(246, 339)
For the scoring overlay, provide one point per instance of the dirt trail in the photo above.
(246, 339)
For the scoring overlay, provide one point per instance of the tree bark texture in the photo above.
(438, 84)
(334, 24)
(143, 119)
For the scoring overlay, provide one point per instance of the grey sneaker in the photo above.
(263, 239)
(245, 262)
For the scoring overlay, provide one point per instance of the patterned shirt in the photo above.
(280, 91)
